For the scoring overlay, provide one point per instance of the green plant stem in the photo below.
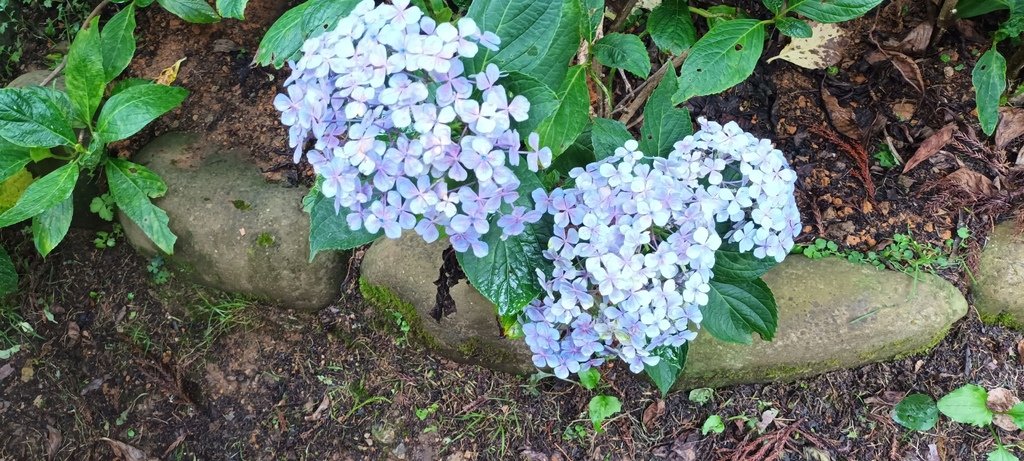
(64, 62)
(705, 13)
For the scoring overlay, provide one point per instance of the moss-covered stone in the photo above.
(999, 282)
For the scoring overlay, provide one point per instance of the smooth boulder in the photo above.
(236, 232)
(999, 282)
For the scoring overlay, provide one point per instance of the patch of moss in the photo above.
(469, 347)
(265, 239)
(1003, 319)
(385, 300)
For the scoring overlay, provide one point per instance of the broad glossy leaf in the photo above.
(50, 226)
(197, 11)
(1001, 454)
(602, 407)
(329, 230)
(608, 135)
(578, 154)
(589, 378)
(832, 10)
(794, 27)
(594, 12)
(232, 8)
(84, 75)
(665, 373)
(562, 127)
(723, 57)
(623, 51)
(735, 310)
(131, 109)
(543, 100)
(132, 186)
(989, 79)
(732, 265)
(43, 193)
(506, 275)
(967, 405)
(671, 26)
(773, 5)
(1017, 414)
(13, 159)
(664, 124)
(538, 37)
(917, 412)
(118, 39)
(35, 117)
(8, 275)
(284, 39)
(971, 8)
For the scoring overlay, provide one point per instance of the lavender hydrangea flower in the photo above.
(391, 115)
(634, 242)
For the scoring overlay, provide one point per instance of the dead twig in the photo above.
(638, 98)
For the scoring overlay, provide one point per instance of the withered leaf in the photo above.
(903, 63)
(971, 182)
(125, 452)
(54, 439)
(822, 49)
(917, 40)
(1001, 400)
(842, 118)
(1011, 125)
(930, 146)
(653, 413)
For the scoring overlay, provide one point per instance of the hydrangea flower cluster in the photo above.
(635, 239)
(393, 118)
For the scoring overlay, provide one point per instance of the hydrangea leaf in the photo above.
(284, 39)
(35, 117)
(623, 51)
(50, 226)
(989, 79)
(43, 193)
(131, 109)
(84, 75)
(1001, 454)
(234, 9)
(671, 26)
(507, 276)
(832, 10)
(594, 9)
(329, 230)
(1017, 414)
(538, 37)
(601, 408)
(735, 310)
(967, 405)
(664, 124)
(773, 5)
(794, 27)
(916, 412)
(8, 275)
(118, 42)
(132, 186)
(723, 57)
(608, 135)
(197, 11)
(971, 8)
(589, 378)
(560, 129)
(543, 100)
(733, 265)
(665, 373)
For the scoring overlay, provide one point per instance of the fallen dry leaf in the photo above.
(930, 146)
(970, 181)
(54, 439)
(767, 418)
(1020, 354)
(824, 48)
(170, 74)
(903, 63)
(653, 413)
(1011, 125)
(1001, 400)
(325, 403)
(685, 447)
(126, 452)
(27, 373)
(904, 110)
(842, 117)
(6, 371)
(815, 454)
(917, 40)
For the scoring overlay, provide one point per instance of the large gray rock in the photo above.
(34, 78)
(236, 232)
(833, 314)
(999, 282)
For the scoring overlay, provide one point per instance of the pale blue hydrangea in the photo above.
(634, 243)
(402, 137)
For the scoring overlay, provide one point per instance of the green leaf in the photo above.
(594, 9)
(971, 8)
(608, 135)
(916, 412)
(132, 187)
(601, 408)
(328, 230)
(967, 405)
(543, 101)
(590, 378)
(664, 124)
(560, 129)
(623, 51)
(84, 75)
(538, 37)
(723, 57)
(35, 117)
(197, 11)
(665, 373)
(1017, 414)
(714, 424)
(794, 27)
(130, 110)
(43, 193)
(989, 79)
(143, 3)
(232, 8)
(773, 5)
(8, 275)
(284, 39)
(701, 395)
(118, 41)
(12, 159)
(507, 276)
(671, 26)
(735, 310)
(832, 10)
(50, 226)
(732, 265)
(1001, 454)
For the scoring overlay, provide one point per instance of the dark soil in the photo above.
(148, 365)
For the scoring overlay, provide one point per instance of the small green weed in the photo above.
(158, 271)
(403, 327)
(885, 157)
(904, 254)
(103, 206)
(108, 239)
(220, 316)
